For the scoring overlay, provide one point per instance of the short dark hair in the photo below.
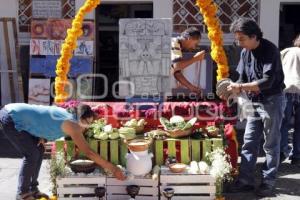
(247, 26)
(82, 111)
(191, 32)
(297, 41)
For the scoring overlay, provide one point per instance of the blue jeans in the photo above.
(27, 145)
(292, 108)
(265, 122)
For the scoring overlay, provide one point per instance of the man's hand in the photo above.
(196, 90)
(200, 55)
(234, 88)
(118, 173)
(42, 142)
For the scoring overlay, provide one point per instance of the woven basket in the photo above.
(221, 88)
(179, 133)
(82, 167)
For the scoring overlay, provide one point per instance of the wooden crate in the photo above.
(111, 150)
(116, 190)
(184, 150)
(187, 186)
(79, 187)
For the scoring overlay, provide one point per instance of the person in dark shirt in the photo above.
(261, 77)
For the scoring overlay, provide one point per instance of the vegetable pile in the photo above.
(177, 123)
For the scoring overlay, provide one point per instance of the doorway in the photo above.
(289, 24)
(107, 43)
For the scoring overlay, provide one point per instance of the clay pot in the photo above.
(177, 167)
(138, 145)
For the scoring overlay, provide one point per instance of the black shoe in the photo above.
(265, 190)
(295, 161)
(240, 187)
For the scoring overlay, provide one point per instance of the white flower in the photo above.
(220, 167)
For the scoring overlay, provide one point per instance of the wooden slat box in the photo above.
(149, 188)
(111, 150)
(79, 187)
(187, 186)
(184, 150)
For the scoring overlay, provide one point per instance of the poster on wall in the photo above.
(39, 29)
(45, 47)
(84, 48)
(88, 28)
(39, 91)
(57, 28)
(45, 65)
(52, 29)
(46, 9)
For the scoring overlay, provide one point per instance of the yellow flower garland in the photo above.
(69, 45)
(209, 10)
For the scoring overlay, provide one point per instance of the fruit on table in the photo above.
(212, 131)
(134, 123)
(127, 133)
(131, 123)
(141, 122)
(194, 167)
(157, 134)
(203, 167)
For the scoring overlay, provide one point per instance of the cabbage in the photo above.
(131, 123)
(141, 122)
(176, 119)
(113, 135)
(127, 133)
(108, 128)
(101, 136)
(190, 123)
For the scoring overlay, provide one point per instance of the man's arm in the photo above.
(182, 64)
(76, 133)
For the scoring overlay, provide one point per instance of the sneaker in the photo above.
(265, 190)
(240, 187)
(39, 195)
(26, 196)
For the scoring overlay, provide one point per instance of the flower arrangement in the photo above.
(209, 9)
(220, 168)
(69, 45)
(57, 167)
(69, 104)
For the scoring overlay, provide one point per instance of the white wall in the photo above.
(269, 18)
(161, 8)
(9, 8)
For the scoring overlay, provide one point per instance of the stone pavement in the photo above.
(287, 187)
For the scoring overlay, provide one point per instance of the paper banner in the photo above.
(39, 91)
(45, 65)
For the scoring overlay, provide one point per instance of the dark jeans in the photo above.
(26, 144)
(292, 108)
(265, 123)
